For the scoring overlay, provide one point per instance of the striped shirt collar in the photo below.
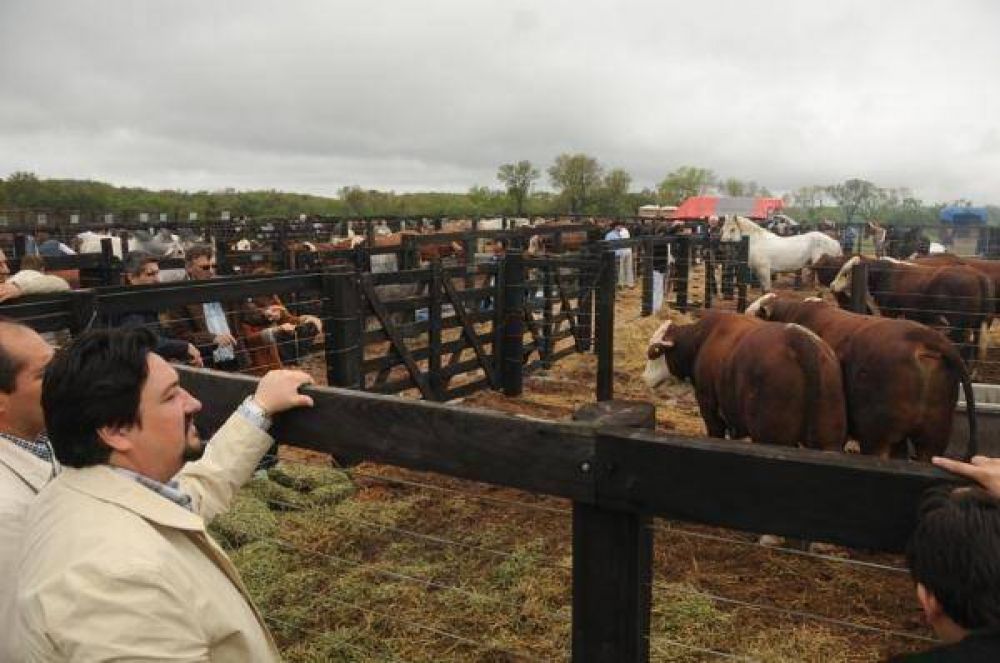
(170, 490)
(39, 447)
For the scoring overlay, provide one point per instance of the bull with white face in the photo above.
(774, 383)
(657, 370)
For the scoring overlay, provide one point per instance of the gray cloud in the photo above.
(311, 96)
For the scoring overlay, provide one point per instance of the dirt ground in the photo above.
(716, 593)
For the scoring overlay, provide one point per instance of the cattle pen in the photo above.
(616, 480)
(451, 533)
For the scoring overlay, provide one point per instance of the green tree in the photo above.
(810, 199)
(683, 183)
(732, 186)
(24, 190)
(614, 199)
(855, 196)
(354, 199)
(480, 200)
(911, 211)
(518, 178)
(577, 177)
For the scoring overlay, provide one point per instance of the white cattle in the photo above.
(163, 244)
(90, 242)
(770, 253)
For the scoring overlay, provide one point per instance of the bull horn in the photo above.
(870, 302)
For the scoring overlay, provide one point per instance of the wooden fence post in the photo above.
(743, 274)
(498, 320)
(434, 380)
(647, 277)
(683, 264)
(342, 310)
(612, 559)
(283, 251)
(859, 288)
(513, 324)
(585, 299)
(548, 314)
(110, 267)
(362, 258)
(605, 342)
(410, 253)
(469, 243)
(729, 269)
(708, 255)
(222, 257)
(83, 311)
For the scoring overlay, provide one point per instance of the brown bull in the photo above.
(900, 378)
(776, 383)
(990, 268)
(956, 297)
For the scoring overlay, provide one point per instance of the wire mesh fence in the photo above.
(390, 564)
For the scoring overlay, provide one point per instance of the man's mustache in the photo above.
(194, 445)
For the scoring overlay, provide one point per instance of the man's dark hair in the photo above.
(10, 364)
(200, 251)
(94, 382)
(136, 261)
(955, 554)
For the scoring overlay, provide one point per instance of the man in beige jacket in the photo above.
(115, 563)
(26, 463)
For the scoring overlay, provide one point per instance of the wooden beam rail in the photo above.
(611, 475)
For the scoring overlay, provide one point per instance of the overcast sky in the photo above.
(433, 95)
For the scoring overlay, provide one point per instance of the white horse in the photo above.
(770, 253)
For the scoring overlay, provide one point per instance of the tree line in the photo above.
(580, 185)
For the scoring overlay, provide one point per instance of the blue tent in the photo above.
(959, 215)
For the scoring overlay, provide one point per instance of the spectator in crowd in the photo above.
(26, 462)
(266, 318)
(211, 327)
(115, 562)
(623, 255)
(849, 239)
(50, 247)
(143, 268)
(29, 280)
(953, 558)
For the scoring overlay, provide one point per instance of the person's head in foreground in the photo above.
(109, 399)
(954, 557)
(23, 357)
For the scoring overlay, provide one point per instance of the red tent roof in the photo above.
(700, 207)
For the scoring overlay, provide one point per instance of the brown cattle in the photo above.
(901, 378)
(990, 268)
(958, 298)
(777, 383)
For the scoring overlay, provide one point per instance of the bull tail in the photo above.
(808, 347)
(957, 366)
